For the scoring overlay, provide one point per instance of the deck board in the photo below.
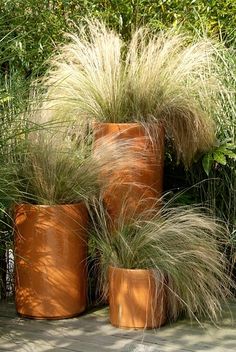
(92, 332)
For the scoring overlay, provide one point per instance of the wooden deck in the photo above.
(93, 333)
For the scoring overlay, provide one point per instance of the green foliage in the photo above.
(214, 173)
(219, 191)
(56, 164)
(219, 155)
(53, 170)
(13, 93)
(34, 28)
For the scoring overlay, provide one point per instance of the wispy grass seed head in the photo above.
(183, 245)
(166, 76)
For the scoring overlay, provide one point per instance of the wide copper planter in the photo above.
(136, 185)
(137, 300)
(50, 260)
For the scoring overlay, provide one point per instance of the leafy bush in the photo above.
(34, 28)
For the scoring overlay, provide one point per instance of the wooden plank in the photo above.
(93, 333)
(92, 340)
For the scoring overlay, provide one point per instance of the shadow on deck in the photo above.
(92, 332)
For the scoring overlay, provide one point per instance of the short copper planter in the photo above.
(136, 299)
(50, 260)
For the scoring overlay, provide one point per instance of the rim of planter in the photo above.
(128, 123)
(122, 123)
(47, 205)
(97, 125)
(130, 270)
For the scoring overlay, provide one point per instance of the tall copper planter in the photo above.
(134, 187)
(50, 260)
(136, 299)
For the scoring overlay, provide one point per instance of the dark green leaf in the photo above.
(219, 158)
(207, 162)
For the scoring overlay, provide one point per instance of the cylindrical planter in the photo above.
(136, 298)
(50, 260)
(136, 185)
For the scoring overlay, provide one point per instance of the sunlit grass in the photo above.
(182, 244)
(165, 76)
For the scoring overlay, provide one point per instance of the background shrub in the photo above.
(33, 29)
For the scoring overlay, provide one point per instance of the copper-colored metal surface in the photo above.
(136, 185)
(50, 260)
(136, 299)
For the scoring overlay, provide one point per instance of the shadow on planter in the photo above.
(50, 260)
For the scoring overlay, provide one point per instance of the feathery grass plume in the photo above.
(86, 79)
(156, 76)
(181, 244)
(52, 174)
(56, 167)
(225, 117)
(218, 192)
(172, 77)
